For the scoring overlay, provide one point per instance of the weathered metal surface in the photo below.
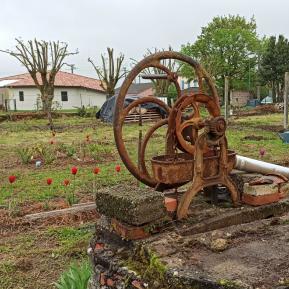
(206, 160)
(172, 169)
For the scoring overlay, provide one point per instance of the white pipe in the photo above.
(255, 166)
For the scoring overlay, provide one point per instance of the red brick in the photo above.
(99, 246)
(129, 232)
(110, 282)
(171, 204)
(260, 200)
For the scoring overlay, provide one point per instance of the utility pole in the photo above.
(286, 90)
(226, 96)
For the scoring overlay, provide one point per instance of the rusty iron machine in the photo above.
(196, 147)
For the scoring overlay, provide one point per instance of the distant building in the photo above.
(239, 98)
(71, 91)
(139, 89)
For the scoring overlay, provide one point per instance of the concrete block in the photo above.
(260, 194)
(260, 190)
(131, 205)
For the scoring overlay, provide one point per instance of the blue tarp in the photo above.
(284, 136)
(106, 112)
(253, 102)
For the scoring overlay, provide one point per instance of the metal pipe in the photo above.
(154, 76)
(255, 166)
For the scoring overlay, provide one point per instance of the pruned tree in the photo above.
(43, 60)
(110, 72)
(162, 86)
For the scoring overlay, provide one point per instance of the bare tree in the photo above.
(110, 72)
(161, 86)
(43, 60)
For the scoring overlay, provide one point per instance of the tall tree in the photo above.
(43, 60)
(227, 46)
(273, 65)
(110, 72)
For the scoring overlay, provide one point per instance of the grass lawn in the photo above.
(34, 257)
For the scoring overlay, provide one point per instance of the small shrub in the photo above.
(82, 111)
(48, 154)
(25, 154)
(76, 277)
(88, 111)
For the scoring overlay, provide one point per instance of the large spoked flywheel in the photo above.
(180, 120)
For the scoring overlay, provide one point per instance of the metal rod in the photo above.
(256, 166)
(139, 139)
(154, 76)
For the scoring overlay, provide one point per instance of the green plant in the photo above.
(98, 152)
(76, 277)
(69, 150)
(82, 111)
(25, 154)
(71, 199)
(48, 154)
(156, 265)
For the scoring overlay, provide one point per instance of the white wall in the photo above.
(76, 98)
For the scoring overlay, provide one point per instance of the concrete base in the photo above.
(255, 253)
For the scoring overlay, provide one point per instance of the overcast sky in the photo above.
(129, 26)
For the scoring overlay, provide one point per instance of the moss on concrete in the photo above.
(132, 205)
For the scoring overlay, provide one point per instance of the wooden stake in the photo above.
(258, 92)
(286, 84)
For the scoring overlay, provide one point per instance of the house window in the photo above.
(64, 96)
(21, 95)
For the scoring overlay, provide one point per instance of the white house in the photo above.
(71, 90)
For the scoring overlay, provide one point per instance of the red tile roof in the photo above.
(62, 79)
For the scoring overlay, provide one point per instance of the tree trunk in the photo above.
(47, 105)
(274, 92)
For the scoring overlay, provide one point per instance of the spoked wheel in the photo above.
(181, 131)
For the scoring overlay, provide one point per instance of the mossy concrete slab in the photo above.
(129, 204)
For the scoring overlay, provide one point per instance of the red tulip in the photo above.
(52, 142)
(49, 181)
(96, 170)
(74, 170)
(262, 152)
(66, 182)
(117, 168)
(12, 179)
